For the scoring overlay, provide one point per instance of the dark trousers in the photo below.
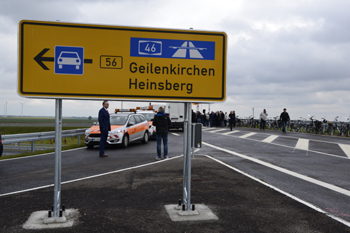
(262, 124)
(159, 144)
(284, 126)
(230, 124)
(103, 139)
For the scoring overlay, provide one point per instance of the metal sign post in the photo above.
(187, 158)
(58, 155)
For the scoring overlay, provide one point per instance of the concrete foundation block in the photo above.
(202, 213)
(39, 220)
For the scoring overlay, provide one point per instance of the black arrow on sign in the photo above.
(40, 59)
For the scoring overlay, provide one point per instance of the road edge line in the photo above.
(308, 204)
(91, 177)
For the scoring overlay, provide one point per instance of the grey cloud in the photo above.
(39, 10)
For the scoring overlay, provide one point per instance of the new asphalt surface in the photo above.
(133, 201)
(131, 194)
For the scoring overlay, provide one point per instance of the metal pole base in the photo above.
(61, 211)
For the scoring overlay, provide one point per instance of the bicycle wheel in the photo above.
(309, 129)
(329, 131)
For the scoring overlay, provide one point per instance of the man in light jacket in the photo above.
(263, 118)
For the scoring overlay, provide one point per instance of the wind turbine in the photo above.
(22, 108)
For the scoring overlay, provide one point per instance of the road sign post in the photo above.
(186, 197)
(58, 158)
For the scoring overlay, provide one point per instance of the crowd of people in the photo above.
(220, 119)
(214, 119)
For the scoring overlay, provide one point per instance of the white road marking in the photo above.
(204, 129)
(313, 151)
(247, 135)
(302, 144)
(90, 177)
(235, 131)
(175, 134)
(283, 170)
(283, 192)
(269, 139)
(346, 149)
(215, 131)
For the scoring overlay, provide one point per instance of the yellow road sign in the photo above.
(81, 61)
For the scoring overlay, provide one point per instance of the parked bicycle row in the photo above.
(303, 125)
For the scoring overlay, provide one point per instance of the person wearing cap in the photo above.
(284, 117)
(263, 118)
(162, 123)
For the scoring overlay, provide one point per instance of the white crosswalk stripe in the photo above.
(302, 144)
(270, 138)
(247, 135)
(235, 131)
(215, 131)
(346, 149)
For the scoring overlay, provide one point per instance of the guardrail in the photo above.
(32, 137)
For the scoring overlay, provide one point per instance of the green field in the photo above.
(67, 143)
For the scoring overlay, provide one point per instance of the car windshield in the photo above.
(118, 120)
(71, 55)
(149, 116)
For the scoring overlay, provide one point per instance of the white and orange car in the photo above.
(126, 126)
(149, 114)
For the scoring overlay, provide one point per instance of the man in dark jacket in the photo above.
(232, 117)
(194, 117)
(162, 123)
(284, 118)
(216, 119)
(211, 117)
(105, 126)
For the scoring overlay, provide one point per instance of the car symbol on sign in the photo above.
(68, 58)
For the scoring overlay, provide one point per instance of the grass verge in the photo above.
(41, 152)
(68, 142)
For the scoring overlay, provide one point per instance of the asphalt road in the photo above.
(319, 175)
(312, 168)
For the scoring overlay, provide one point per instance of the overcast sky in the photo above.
(281, 53)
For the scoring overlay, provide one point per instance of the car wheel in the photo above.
(125, 142)
(90, 146)
(145, 137)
